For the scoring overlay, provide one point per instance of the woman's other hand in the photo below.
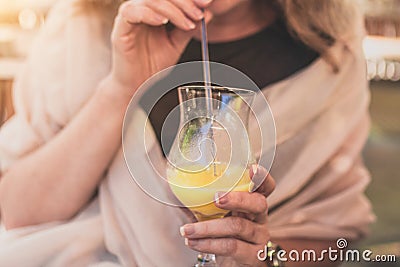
(143, 45)
(240, 236)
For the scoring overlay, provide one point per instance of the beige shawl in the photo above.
(321, 120)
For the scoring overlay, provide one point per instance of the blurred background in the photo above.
(20, 21)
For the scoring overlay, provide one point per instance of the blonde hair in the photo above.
(317, 23)
(321, 23)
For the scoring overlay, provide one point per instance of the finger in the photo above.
(242, 202)
(203, 3)
(180, 38)
(131, 14)
(235, 227)
(173, 13)
(249, 216)
(262, 180)
(189, 8)
(240, 251)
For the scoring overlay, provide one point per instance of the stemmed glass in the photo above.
(211, 152)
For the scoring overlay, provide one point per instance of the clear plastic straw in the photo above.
(207, 80)
(206, 67)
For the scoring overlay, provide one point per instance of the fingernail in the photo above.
(198, 14)
(190, 24)
(191, 242)
(254, 168)
(251, 186)
(163, 19)
(187, 230)
(216, 198)
(220, 198)
(182, 230)
(204, 1)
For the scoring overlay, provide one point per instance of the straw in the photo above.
(207, 79)
(206, 67)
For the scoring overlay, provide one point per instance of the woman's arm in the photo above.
(55, 181)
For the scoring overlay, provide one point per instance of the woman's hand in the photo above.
(239, 237)
(142, 44)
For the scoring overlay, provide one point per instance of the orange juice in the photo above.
(196, 189)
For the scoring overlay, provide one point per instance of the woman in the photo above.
(72, 97)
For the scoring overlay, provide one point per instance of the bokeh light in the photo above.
(27, 19)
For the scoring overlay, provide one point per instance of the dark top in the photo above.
(266, 57)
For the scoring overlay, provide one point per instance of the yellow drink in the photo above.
(196, 190)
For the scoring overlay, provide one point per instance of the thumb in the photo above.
(262, 180)
(180, 38)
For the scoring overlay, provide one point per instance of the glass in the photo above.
(211, 152)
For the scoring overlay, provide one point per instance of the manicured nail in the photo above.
(163, 19)
(182, 230)
(198, 14)
(216, 198)
(251, 187)
(220, 198)
(190, 24)
(187, 230)
(204, 1)
(191, 242)
(254, 168)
